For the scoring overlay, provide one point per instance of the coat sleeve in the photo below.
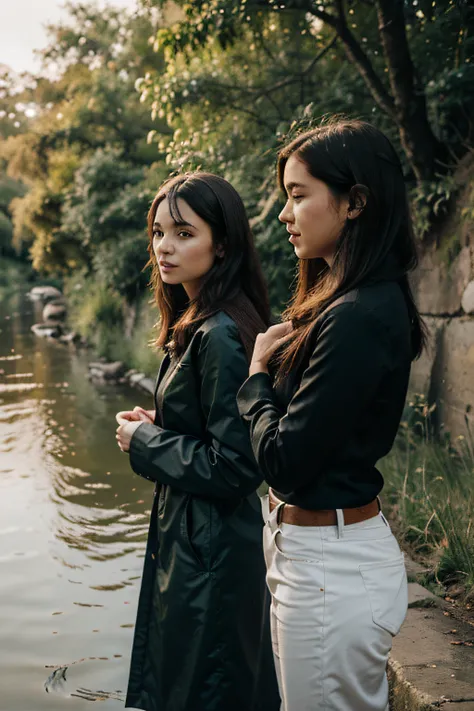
(222, 466)
(349, 360)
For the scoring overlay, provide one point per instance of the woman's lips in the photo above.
(167, 267)
(294, 238)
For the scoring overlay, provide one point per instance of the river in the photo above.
(73, 521)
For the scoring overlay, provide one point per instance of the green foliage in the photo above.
(143, 353)
(279, 259)
(429, 490)
(93, 210)
(9, 189)
(211, 84)
(85, 147)
(96, 312)
(467, 206)
(120, 264)
(6, 233)
(431, 198)
(13, 276)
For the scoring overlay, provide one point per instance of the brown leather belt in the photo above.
(323, 517)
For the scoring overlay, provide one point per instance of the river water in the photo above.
(73, 522)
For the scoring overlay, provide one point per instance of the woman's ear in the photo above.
(220, 251)
(358, 195)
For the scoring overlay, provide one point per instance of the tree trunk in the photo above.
(405, 104)
(426, 154)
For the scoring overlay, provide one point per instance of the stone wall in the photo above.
(444, 289)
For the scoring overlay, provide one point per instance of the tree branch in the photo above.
(261, 91)
(358, 57)
(324, 16)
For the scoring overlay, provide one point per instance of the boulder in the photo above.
(438, 287)
(467, 301)
(106, 371)
(46, 330)
(71, 337)
(130, 372)
(44, 293)
(54, 310)
(456, 376)
(134, 378)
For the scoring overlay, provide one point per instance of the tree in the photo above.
(358, 29)
(90, 106)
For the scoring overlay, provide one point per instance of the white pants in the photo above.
(339, 595)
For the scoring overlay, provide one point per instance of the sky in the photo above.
(22, 29)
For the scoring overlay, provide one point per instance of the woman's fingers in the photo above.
(281, 330)
(127, 415)
(267, 343)
(143, 414)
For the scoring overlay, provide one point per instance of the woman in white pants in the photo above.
(327, 409)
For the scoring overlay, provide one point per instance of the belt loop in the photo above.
(264, 500)
(340, 523)
(273, 520)
(279, 512)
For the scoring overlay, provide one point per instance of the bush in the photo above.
(96, 312)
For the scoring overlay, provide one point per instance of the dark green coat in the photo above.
(202, 641)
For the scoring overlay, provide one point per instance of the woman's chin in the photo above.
(169, 279)
(300, 252)
(307, 254)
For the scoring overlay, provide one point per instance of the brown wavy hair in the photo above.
(235, 282)
(358, 162)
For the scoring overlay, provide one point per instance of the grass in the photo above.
(429, 494)
(97, 313)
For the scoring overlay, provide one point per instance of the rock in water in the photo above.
(56, 681)
(55, 310)
(45, 330)
(89, 670)
(44, 293)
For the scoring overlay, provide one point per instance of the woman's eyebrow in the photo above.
(290, 186)
(183, 223)
(177, 223)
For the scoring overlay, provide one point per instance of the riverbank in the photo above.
(429, 484)
(93, 318)
(52, 416)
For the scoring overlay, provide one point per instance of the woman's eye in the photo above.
(185, 234)
(297, 197)
(157, 235)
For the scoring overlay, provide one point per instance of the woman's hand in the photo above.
(266, 345)
(129, 421)
(145, 415)
(138, 413)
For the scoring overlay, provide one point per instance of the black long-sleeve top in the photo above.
(318, 436)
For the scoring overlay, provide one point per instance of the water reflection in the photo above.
(73, 520)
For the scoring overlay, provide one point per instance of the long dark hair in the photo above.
(235, 282)
(357, 161)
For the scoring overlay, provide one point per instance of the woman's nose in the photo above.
(165, 245)
(286, 214)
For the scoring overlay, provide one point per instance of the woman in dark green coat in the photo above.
(201, 641)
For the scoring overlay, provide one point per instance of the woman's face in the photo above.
(313, 216)
(184, 250)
